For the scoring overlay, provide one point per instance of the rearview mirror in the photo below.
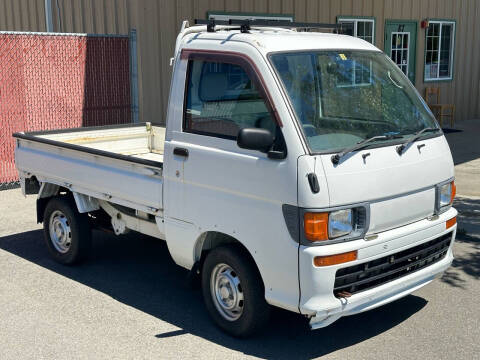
(255, 139)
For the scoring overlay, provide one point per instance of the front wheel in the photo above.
(67, 232)
(233, 291)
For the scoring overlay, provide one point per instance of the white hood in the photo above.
(399, 188)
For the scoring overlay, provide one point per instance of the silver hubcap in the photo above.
(60, 232)
(226, 292)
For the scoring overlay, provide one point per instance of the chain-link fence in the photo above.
(51, 81)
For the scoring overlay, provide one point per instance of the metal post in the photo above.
(48, 15)
(133, 74)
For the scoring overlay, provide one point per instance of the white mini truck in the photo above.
(296, 169)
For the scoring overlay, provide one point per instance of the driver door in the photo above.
(212, 185)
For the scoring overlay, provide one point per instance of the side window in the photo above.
(221, 99)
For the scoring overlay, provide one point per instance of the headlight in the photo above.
(445, 195)
(340, 223)
(335, 226)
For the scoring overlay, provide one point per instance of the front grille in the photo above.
(361, 277)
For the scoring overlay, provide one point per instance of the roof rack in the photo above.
(246, 24)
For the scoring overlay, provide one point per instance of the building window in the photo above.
(355, 73)
(361, 28)
(439, 48)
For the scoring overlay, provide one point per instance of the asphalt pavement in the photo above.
(465, 147)
(130, 301)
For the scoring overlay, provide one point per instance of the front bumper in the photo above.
(318, 300)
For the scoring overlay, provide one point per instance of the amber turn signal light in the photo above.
(453, 192)
(451, 222)
(316, 226)
(335, 259)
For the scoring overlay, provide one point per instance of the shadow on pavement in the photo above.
(463, 141)
(468, 233)
(138, 271)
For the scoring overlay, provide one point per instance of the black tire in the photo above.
(256, 311)
(80, 238)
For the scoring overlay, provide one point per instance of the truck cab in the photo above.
(342, 228)
(300, 170)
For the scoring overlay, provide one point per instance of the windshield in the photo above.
(343, 97)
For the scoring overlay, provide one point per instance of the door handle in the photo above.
(180, 152)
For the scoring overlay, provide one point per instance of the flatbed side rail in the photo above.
(33, 136)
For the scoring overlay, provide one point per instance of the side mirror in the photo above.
(255, 139)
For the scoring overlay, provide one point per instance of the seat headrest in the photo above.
(213, 86)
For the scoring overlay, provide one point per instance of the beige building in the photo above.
(435, 42)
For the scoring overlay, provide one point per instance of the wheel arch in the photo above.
(211, 239)
(46, 192)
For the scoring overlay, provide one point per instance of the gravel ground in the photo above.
(130, 301)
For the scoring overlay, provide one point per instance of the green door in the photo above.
(401, 44)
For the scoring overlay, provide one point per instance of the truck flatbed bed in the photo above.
(142, 143)
(102, 162)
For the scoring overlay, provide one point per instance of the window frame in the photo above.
(355, 20)
(228, 57)
(403, 48)
(452, 54)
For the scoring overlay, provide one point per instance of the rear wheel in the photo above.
(233, 291)
(67, 232)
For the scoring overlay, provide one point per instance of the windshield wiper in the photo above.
(361, 144)
(414, 137)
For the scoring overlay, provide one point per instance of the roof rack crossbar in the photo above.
(246, 24)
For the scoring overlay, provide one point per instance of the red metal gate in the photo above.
(50, 81)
